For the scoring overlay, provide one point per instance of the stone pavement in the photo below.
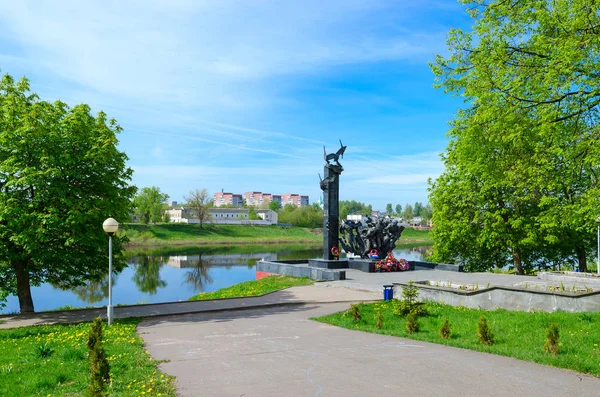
(356, 279)
(291, 296)
(279, 351)
(358, 286)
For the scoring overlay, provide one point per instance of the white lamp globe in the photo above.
(110, 225)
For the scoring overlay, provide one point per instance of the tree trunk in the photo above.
(23, 286)
(580, 249)
(517, 261)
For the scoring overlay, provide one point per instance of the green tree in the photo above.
(527, 140)
(388, 209)
(252, 215)
(199, 203)
(398, 209)
(426, 213)
(303, 216)
(417, 208)
(61, 176)
(408, 212)
(149, 204)
(354, 208)
(99, 366)
(274, 205)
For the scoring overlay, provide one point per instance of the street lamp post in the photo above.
(110, 226)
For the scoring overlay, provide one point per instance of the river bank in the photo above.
(178, 234)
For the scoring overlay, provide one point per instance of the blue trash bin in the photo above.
(388, 292)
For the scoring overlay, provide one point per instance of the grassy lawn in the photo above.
(181, 234)
(518, 334)
(163, 234)
(254, 287)
(412, 236)
(52, 360)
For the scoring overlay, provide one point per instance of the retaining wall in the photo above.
(299, 268)
(508, 298)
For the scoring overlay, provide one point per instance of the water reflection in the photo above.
(147, 273)
(198, 275)
(93, 291)
(175, 274)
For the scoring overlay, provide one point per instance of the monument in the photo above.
(330, 185)
(376, 237)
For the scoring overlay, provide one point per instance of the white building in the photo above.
(225, 216)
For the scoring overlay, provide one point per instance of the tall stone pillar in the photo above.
(331, 199)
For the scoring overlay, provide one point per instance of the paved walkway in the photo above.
(278, 351)
(373, 281)
(318, 293)
(358, 286)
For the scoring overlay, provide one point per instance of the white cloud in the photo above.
(402, 179)
(209, 53)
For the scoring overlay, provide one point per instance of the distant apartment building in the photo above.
(172, 203)
(294, 199)
(259, 199)
(223, 199)
(253, 198)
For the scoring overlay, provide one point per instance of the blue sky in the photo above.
(242, 95)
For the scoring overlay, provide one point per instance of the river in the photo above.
(171, 275)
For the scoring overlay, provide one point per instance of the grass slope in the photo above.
(254, 287)
(413, 236)
(180, 234)
(518, 334)
(52, 360)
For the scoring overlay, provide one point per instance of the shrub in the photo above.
(412, 323)
(355, 312)
(409, 303)
(445, 330)
(379, 323)
(44, 350)
(100, 370)
(552, 340)
(484, 333)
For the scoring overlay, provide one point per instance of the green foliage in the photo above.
(408, 214)
(67, 371)
(198, 202)
(408, 304)
(252, 215)
(355, 312)
(254, 287)
(412, 323)
(398, 209)
(61, 176)
(44, 350)
(388, 209)
(379, 322)
(417, 208)
(521, 181)
(303, 216)
(552, 339)
(523, 333)
(354, 208)
(149, 204)
(445, 330)
(426, 213)
(99, 367)
(274, 206)
(484, 333)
